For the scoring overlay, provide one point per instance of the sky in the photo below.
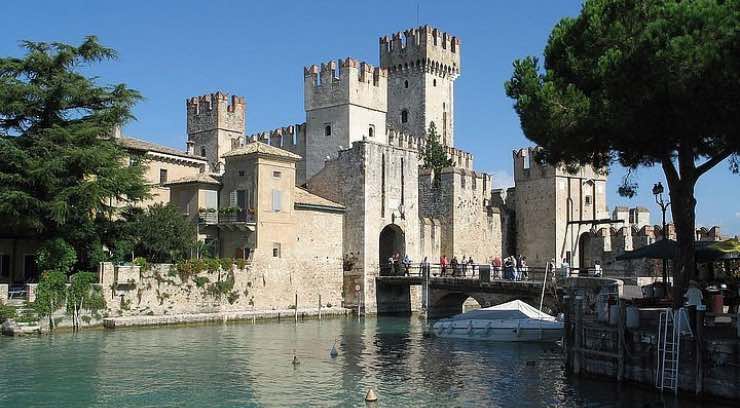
(172, 50)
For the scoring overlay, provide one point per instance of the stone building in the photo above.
(336, 195)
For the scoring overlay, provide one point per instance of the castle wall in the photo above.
(291, 138)
(377, 183)
(470, 227)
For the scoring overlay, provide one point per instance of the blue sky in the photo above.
(170, 50)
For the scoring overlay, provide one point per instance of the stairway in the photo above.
(26, 320)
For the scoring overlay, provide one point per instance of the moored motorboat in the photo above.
(509, 322)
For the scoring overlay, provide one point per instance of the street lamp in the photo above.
(658, 193)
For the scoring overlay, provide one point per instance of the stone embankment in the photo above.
(187, 318)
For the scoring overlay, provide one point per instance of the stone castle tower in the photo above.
(345, 101)
(214, 123)
(422, 65)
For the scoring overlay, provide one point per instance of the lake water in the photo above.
(246, 365)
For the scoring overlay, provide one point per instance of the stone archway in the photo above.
(392, 241)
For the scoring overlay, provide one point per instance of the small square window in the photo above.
(276, 250)
(241, 173)
(588, 200)
(277, 174)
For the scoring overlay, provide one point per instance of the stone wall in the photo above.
(269, 285)
(377, 184)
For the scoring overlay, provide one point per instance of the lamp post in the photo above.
(658, 193)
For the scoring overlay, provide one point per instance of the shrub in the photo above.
(6, 312)
(233, 297)
(56, 255)
(200, 281)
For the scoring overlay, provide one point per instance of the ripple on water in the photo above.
(240, 364)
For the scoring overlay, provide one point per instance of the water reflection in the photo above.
(241, 364)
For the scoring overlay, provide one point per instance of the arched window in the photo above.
(404, 116)
(327, 130)
(405, 84)
(434, 82)
(203, 151)
(371, 131)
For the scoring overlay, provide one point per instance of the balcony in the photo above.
(208, 217)
(233, 219)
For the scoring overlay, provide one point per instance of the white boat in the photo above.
(512, 321)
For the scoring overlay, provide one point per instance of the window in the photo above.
(241, 173)
(203, 151)
(162, 176)
(277, 174)
(327, 130)
(434, 82)
(276, 249)
(371, 131)
(211, 198)
(462, 181)
(588, 200)
(405, 84)
(277, 196)
(404, 116)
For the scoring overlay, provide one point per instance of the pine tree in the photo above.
(59, 175)
(434, 154)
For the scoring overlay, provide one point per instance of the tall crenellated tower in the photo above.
(345, 101)
(214, 121)
(422, 65)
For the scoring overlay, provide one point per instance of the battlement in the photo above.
(424, 47)
(288, 137)
(346, 81)
(403, 139)
(342, 70)
(215, 111)
(527, 167)
(460, 158)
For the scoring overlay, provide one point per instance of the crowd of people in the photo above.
(512, 267)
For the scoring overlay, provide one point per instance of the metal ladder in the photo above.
(669, 347)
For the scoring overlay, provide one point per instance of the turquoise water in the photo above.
(245, 365)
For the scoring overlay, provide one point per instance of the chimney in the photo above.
(190, 147)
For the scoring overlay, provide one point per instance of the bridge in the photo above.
(442, 293)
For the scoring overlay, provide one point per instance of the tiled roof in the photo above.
(198, 178)
(261, 148)
(306, 198)
(143, 145)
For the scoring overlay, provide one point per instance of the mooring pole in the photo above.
(578, 354)
(296, 308)
(319, 306)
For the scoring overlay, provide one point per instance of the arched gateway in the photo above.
(392, 241)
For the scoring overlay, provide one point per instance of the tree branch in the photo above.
(669, 169)
(704, 167)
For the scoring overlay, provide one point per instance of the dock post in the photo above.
(296, 308)
(568, 332)
(620, 341)
(699, 351)
(577, 355)
(319, 306)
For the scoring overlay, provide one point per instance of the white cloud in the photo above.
(502, 179)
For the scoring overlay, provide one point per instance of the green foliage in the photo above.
(60, 177)
(201, 281)
(212, 264)
(641, 84)
(226, 263)
(6, 312)
(50, 292)
(142, 263)
(241, 263)
(56, 255)
(163, 234)
(434, 155)
(82, 295)
(223, 287)
(122, 251)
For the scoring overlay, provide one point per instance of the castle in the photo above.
(340, 193)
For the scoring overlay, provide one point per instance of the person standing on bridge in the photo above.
(496, 265)
(454, 265)
(443, 262)
(396, 263)
(406, 264)
(471, 264)
(425, 267)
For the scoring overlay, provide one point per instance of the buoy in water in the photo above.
(370, 396)
(333, 353)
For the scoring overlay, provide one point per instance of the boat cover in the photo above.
(516, 309)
